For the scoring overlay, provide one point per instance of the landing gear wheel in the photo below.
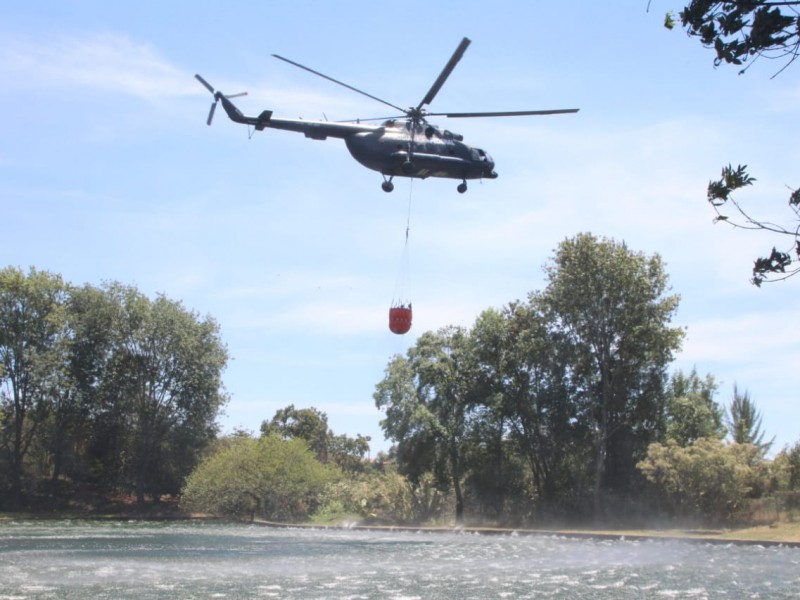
(387, 186)
(462, 187)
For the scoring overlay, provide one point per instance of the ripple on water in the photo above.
(142, 561)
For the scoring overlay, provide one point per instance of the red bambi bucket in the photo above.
(400, 319)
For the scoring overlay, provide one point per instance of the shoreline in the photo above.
(719, 537)
(621, 535)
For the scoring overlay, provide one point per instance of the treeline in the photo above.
(102, 388)
(560, 407)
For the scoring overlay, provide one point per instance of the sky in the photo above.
(108, 172)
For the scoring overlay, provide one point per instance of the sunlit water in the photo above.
(202, 560)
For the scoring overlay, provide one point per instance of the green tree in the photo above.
(268, 477)
(786, 468)
(311, 425)
(308, 424)
(692, 412)
(427, 401)
(744, 421)
(161, 389)
(539, 400)
(32, 325)
(613, 308)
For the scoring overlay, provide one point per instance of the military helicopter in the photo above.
(403, 146)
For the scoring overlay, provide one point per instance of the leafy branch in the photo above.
(778, 265)
(743, 30)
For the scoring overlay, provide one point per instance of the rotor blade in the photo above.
(349, 87)
(448, 68)
(239, 95)
(211, 113)
(205, 83)
(512, 113)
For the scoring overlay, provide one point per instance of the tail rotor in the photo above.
(217, 95)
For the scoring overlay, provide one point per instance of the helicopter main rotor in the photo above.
(417, 114)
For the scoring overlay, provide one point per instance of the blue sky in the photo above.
(108, 172)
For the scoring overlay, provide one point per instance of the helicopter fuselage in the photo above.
(397, 147)
(402, 148)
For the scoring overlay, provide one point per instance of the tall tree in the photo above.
(162, 388)
(427, 399)
(744, 421)
(31, 327)
(540, 400)
(614, 309)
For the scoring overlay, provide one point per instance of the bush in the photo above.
(267, 477)
(707, 478)
(385, 497)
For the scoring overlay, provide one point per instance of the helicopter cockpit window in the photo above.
(478, 155)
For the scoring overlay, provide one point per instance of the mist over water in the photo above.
(87, 560)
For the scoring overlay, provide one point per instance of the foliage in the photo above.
(745, 29)
(159, 391)
(32, 333)
(692, 412)
(311, 425)
(426, 398)
(741, 31)
(708, 478)
(543, 400)
(382, 497)
(530, 400)
(744, 421)
(612, 306)
(267, 477)
(776, 266)
(104, 385)
(786, 469)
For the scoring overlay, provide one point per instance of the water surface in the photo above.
(87, 560)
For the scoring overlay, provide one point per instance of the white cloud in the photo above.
(107, 62)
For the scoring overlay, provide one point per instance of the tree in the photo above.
(311, 425)
(308, 424)
(786, 468)
(31, 328)
(692, 412)
(538, 402)
(268, 477)
(160, 389)
(744, 30)
(744, 421)
(614, 311)
(427, 402)
(741, 31)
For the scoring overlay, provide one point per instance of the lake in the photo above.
(177, 560)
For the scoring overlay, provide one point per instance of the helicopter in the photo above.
(403, 146)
